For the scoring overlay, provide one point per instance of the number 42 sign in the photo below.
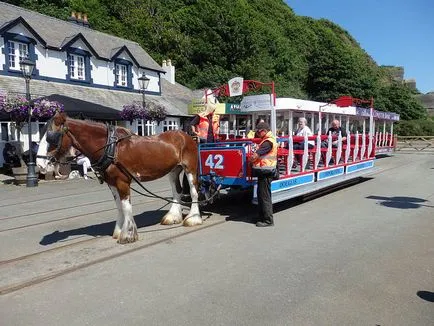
(215, 161)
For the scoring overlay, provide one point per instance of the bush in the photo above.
(419, 127)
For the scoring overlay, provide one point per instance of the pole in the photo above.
(32, 179)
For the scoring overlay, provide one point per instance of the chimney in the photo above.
(72, 18)
(85, 21)
(170, 71)
(79, 19)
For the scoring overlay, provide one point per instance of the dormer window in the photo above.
(121, 75)
(77, 69)
(17, 52)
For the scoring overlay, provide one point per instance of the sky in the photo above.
(392, 32)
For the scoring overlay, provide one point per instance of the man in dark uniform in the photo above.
(264, 165)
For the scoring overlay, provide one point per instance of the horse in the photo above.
(119, 156)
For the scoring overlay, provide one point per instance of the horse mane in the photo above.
(124, 131)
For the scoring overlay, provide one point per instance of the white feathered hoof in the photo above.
(129, 236)
(192, 220)
(170, 219)
(116, 233)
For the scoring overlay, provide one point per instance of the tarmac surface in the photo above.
(360, 255)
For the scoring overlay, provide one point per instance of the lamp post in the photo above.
(27, 69)
(144, 83)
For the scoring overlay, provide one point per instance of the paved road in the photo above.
(363, 255)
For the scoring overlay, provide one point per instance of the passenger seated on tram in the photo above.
(334, 130)
(206, 124)
(303, 130)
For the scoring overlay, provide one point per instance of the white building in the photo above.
(75, 62)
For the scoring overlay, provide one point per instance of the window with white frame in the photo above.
(77, 67)
(170, 124)
(17, 52)
(121, 75)
(146, 127)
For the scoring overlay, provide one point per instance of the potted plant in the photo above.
(18, 109)
(131, 112)
(156, 112)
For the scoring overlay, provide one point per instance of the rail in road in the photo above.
(65, 226)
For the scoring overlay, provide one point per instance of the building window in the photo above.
(170, 124)
(77, 69)
(17, 52)
(121, 75)
(4, 131)
(146, 127)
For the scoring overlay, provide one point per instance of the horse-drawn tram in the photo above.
(306, 163)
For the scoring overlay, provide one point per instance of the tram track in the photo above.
(15, 286)
(70, 217)
(54, 197)
(52, 275)
(70, 207)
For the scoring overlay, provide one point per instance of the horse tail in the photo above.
(189, 156)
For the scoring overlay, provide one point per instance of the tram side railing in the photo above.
(355, 148)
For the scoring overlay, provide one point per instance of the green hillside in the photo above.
(211, 41)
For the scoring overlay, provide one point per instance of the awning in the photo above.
(80, 109)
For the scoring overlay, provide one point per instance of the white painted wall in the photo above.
(101, 73)
(51, 63)
(20, 29)
(2, 57)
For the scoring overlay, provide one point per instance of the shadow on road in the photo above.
(144, 219)
(401, 202)
(237, 205)
(426, 295)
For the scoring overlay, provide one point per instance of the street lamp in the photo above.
(27, 69)
(143, 83)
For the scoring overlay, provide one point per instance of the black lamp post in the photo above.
(27, 69)
(144, 83)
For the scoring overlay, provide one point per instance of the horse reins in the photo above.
(108, 158)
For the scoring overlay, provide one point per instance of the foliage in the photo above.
(156, 112)
(212, 41)
(421, 127)
(152, 111)
(132, 112)
(43, 109)
(18, 109)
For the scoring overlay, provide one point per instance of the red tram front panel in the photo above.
(228, 163)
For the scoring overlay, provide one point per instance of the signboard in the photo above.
(257, 103)
(236, 86)
(198, 105)
(232, 108)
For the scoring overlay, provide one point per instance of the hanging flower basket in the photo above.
(156, 112)
(18, 108)
(44, 109)
(131, 112)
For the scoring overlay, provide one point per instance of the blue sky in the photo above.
(392, 32)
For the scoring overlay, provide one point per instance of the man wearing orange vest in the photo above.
(206, 125)
(264, 165)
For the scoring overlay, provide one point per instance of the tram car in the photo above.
(331, 159)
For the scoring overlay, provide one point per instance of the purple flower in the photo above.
(18, 108)
(132, 112)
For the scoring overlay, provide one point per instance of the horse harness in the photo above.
(55, 138)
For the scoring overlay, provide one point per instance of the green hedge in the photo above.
(420, 127)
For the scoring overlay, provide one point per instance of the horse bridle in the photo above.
(55, 138)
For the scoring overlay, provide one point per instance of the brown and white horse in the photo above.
(147, 158)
